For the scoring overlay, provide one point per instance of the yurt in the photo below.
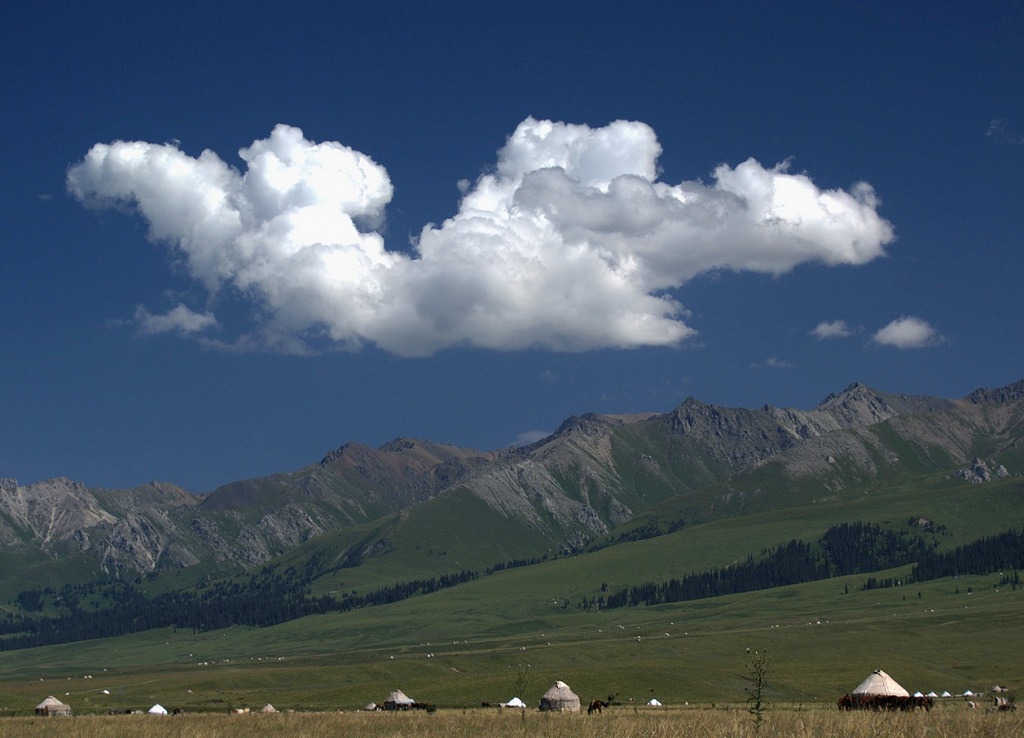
(157, 709)
(514, 702)
(654, 702)
(560, 699)
(398, 700)
(52, 706)
(879, 684)
(268, 708)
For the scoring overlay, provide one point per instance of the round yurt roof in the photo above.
(654, 702)
(399, 697)
(514, 702)
(50, 701)
(560, 698)
(880, 683)
(158, 709)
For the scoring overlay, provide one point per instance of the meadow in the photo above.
(946, 721)
(463, 646)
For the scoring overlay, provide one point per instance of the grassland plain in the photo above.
(944, 722)
(460, 647)
(945, 635)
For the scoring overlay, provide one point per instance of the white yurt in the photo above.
(560, 699)
(881, 684)
(52, 706)
(157, 709)
(398, 700)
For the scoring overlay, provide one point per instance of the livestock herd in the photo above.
(891, 703)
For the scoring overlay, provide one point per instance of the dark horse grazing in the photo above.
(598, 705)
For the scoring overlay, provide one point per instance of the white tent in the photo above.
(157, 709)
(880, 684)
(268, 708)
(919, 694)
(654, 702)
(968, 693)
(945, 693)
(932, 694)
(514, 702)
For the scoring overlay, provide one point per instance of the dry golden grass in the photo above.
(620, 722)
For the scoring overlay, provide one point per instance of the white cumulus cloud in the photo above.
(570, 243)
(179, 319)
(831, 329)
(907, 332)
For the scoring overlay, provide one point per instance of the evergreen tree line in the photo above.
(848, 548)
(266, 598)
(983, 556)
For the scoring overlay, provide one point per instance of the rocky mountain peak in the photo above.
(856, 406)
(1009, 393)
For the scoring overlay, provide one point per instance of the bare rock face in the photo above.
(979, 472)
(1010, 393)
(56, 514)
(594, 473)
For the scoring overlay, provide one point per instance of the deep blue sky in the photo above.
(923, 101)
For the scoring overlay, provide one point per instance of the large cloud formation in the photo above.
(570, 243)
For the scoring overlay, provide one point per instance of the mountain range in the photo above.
(597, 480)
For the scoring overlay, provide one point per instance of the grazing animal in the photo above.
(845, 702)
(1002, 704)
(598, 705)
(925, 703)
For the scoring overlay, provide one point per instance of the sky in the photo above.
(236, 237)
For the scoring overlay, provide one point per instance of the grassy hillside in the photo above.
(463, 645)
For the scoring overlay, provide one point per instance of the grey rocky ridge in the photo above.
(592, 475)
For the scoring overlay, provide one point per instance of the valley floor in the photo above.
(952, 720)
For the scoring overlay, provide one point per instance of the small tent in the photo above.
(157, 709)
(52, 706)
(880, 684)
(514, 702)
(398, 700)
(560, 699)
(654, 702)
(268, 708)
(932, 694)
(945, 693)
